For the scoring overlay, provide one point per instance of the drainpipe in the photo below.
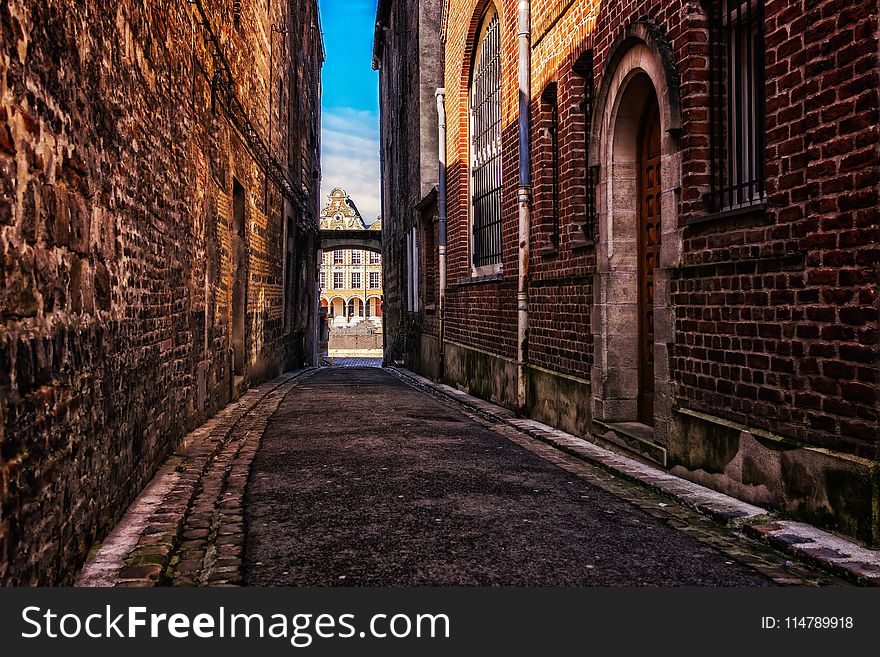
(440, 94)
(525, 201)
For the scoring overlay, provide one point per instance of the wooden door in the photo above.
(649, 255)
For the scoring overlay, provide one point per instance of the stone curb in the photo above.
(799, 540)
(139, 549)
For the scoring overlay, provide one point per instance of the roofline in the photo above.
(320, 32)
(383, 12)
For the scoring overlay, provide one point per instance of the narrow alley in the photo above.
(357, 477)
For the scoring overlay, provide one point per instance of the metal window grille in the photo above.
(584, 68)
(374, 280)
(355, 280)
(486, 148)
(736, 32)
(550, 96)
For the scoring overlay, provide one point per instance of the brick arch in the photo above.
(462, 145)
(467, 62)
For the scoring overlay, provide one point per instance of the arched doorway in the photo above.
(374, 308)
(634, 144)
(337, 307)
(355, 307)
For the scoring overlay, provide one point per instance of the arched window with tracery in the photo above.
(485, 138)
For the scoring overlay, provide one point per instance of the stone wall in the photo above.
(354, 338)
(121, 249)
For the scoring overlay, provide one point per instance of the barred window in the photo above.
(736, 32)
(485, 131)
(551, 103)
(375, 281)
(583, 67)
(355, 280)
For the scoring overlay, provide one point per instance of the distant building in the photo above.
(351, 279)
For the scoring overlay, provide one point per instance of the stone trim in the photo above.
(640, 63)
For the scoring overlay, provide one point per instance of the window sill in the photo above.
(581, 243)
(754, 208)
(548, 251)
(477, 280)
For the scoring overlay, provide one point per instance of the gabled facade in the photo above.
(350, 279)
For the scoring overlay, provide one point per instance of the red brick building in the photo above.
(674, 250)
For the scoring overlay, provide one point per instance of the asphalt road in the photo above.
(363, 480)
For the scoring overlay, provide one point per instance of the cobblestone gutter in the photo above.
(187, 527)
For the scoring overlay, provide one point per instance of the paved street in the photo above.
(364, 476)
(357, 361)
(361, 479)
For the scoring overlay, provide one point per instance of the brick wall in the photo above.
(775, 311)
(117, 167)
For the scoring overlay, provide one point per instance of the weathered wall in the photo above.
(117, 240)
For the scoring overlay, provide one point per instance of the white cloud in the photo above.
(350, 157)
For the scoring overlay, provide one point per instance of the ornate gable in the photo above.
(341, 213)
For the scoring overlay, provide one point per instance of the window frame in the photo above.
(738, 184)
(482, 36)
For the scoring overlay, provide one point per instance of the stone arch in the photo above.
(336, 305)
(644, 45)
(374, 305)
(639, 71)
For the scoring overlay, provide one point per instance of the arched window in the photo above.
(485, 136)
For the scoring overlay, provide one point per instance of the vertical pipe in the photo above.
(440, 95)
(525, 201)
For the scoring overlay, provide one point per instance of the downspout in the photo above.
(525, 201)
(440, 94)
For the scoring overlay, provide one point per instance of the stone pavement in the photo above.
(403, 489)
(186, 527)
(356, 361)
(407, 487)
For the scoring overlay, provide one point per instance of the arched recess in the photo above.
(463, 155)
(337, 306)
(640, 77)
(374, 306)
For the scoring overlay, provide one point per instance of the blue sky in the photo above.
(350, 121)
